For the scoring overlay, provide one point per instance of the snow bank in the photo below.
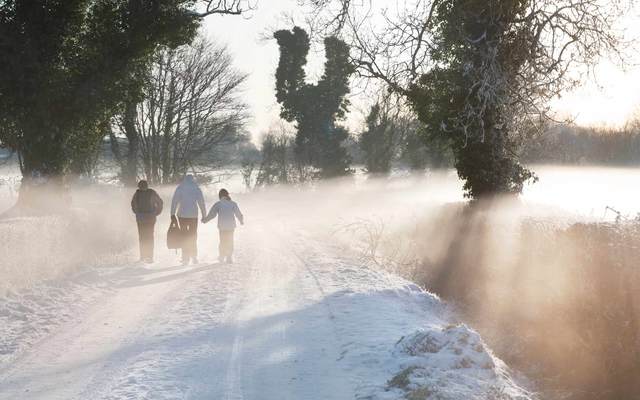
(405, 343)
(452, 362)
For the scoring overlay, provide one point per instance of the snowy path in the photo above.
(291, 319)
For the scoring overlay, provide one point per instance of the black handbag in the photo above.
(174, 236)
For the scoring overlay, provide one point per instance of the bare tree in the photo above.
(278, 164)
(393, 43)
(504, 59)
(191, 111)
(275, 166)
(224, 7)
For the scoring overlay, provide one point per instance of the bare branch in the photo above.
(224, 7)
(191, 109)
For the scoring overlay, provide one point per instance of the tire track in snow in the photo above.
(66, 364)
(233, 387)
(105, 349)
(233, 375)
(190, 341)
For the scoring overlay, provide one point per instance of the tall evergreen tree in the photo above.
(378, 141)
(315, 108)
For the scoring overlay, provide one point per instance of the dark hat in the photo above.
(143, 185)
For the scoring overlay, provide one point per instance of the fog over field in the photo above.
(505, 266)
(563, 195)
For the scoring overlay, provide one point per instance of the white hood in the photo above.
(187, 199)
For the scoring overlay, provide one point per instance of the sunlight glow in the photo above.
(609, 100)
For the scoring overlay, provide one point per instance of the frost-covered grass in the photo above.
(95, 231)
(556, 298)
(440, 353)
(41, 248)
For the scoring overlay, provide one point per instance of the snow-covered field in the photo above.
(298, 316)
(294, 318)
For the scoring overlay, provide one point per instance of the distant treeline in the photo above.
(569, 144)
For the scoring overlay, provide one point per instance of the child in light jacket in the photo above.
(227, 211)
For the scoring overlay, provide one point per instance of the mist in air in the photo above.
(548, 279)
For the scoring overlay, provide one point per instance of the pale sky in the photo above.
(609, 99)
(255, 55)
(612, 96)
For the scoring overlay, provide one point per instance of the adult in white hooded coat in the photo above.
(186, 202)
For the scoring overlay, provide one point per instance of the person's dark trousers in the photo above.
(145, 237)
(189, 228)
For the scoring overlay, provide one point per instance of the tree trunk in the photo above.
(42, 163)
(167, 173)
(41, 192)
(130, 165)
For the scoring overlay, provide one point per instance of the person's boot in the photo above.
(229, 260)
(194, 260)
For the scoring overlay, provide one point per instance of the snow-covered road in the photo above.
(293, 318)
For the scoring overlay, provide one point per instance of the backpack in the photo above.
(146, 202)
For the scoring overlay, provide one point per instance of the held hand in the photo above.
(204, 221)
(174, 219)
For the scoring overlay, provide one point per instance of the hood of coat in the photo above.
(188, 181)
